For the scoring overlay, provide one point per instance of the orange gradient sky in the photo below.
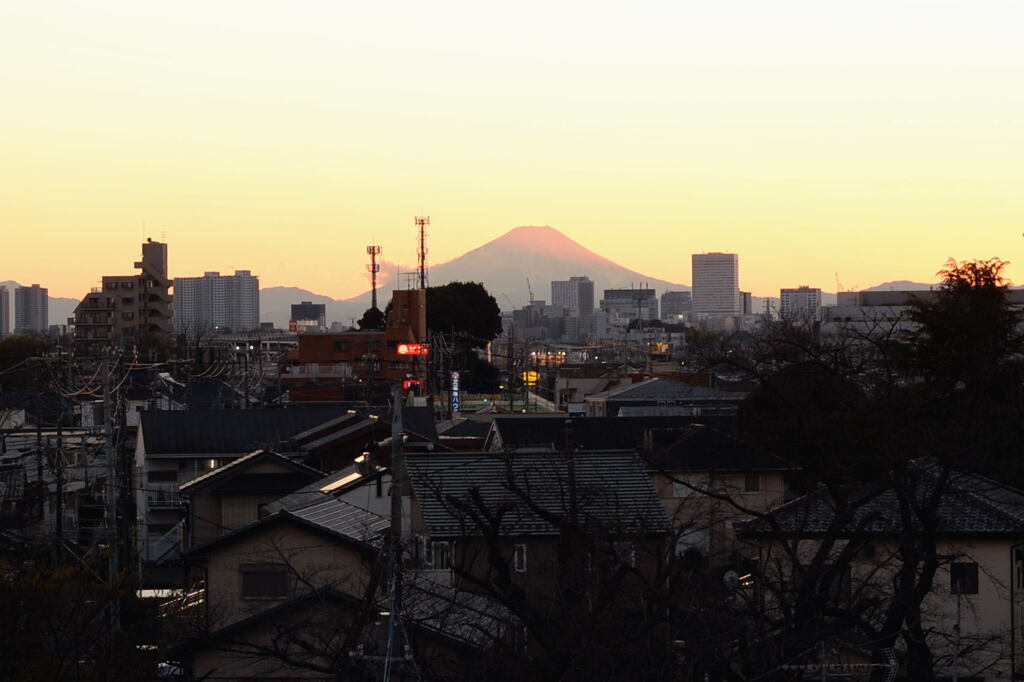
(871, 139)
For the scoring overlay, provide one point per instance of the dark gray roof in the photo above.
(664, 389)
(703, 448)
(465, 428)
(470, 618)
(971, 506)
(226, 432)
(529, 492)
(418, 420)
(594, 433)
(344, 519)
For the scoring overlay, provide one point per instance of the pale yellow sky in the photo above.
(868, 139)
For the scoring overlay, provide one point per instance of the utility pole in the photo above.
(58, 463)
(956, 634)
(398, 484)
(112, 567)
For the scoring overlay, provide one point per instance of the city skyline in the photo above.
(871, 141)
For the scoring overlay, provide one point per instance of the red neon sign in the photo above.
(413, 349)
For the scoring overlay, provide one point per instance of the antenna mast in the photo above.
(421, 224)
(373, 251)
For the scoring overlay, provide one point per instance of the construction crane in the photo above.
(529, 289)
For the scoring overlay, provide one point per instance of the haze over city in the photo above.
(872, 140)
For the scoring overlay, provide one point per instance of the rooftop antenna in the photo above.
(421, 224)
(373, 268)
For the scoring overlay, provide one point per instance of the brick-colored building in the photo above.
(359, 365)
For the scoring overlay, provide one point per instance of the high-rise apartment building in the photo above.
(5, 312)
(716, 283)
(576, 296)
(31, 310)
(803, 303)
(217, 302)
(127, 311)
(675, 304)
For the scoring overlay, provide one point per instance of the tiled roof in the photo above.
(531, 492)
(225, 432)
(471, 618)
(344, 519)
(971, 506)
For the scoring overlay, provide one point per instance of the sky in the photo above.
(861, 141)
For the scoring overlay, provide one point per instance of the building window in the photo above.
(264, 581)
(751, 483)
(127, 285)
(340, 346)
(127, 316)
(519, 559)
(162, 476)
(963, 578)
(437, 554)
(128, 300)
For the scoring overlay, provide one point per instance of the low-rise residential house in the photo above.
(477, 513)
(305, 594)
(708, 481)
(174, 447)
(971, 617)
(236, 494)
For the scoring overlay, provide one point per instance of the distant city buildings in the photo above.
(716, 287)
(308, 316)
(217, 302)
(31, 310)
(127, 310)
(5, 312)
(675, 305)
(801, 303)
(576, 296)
(622, 306)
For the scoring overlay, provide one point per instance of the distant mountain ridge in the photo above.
(540, 253)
